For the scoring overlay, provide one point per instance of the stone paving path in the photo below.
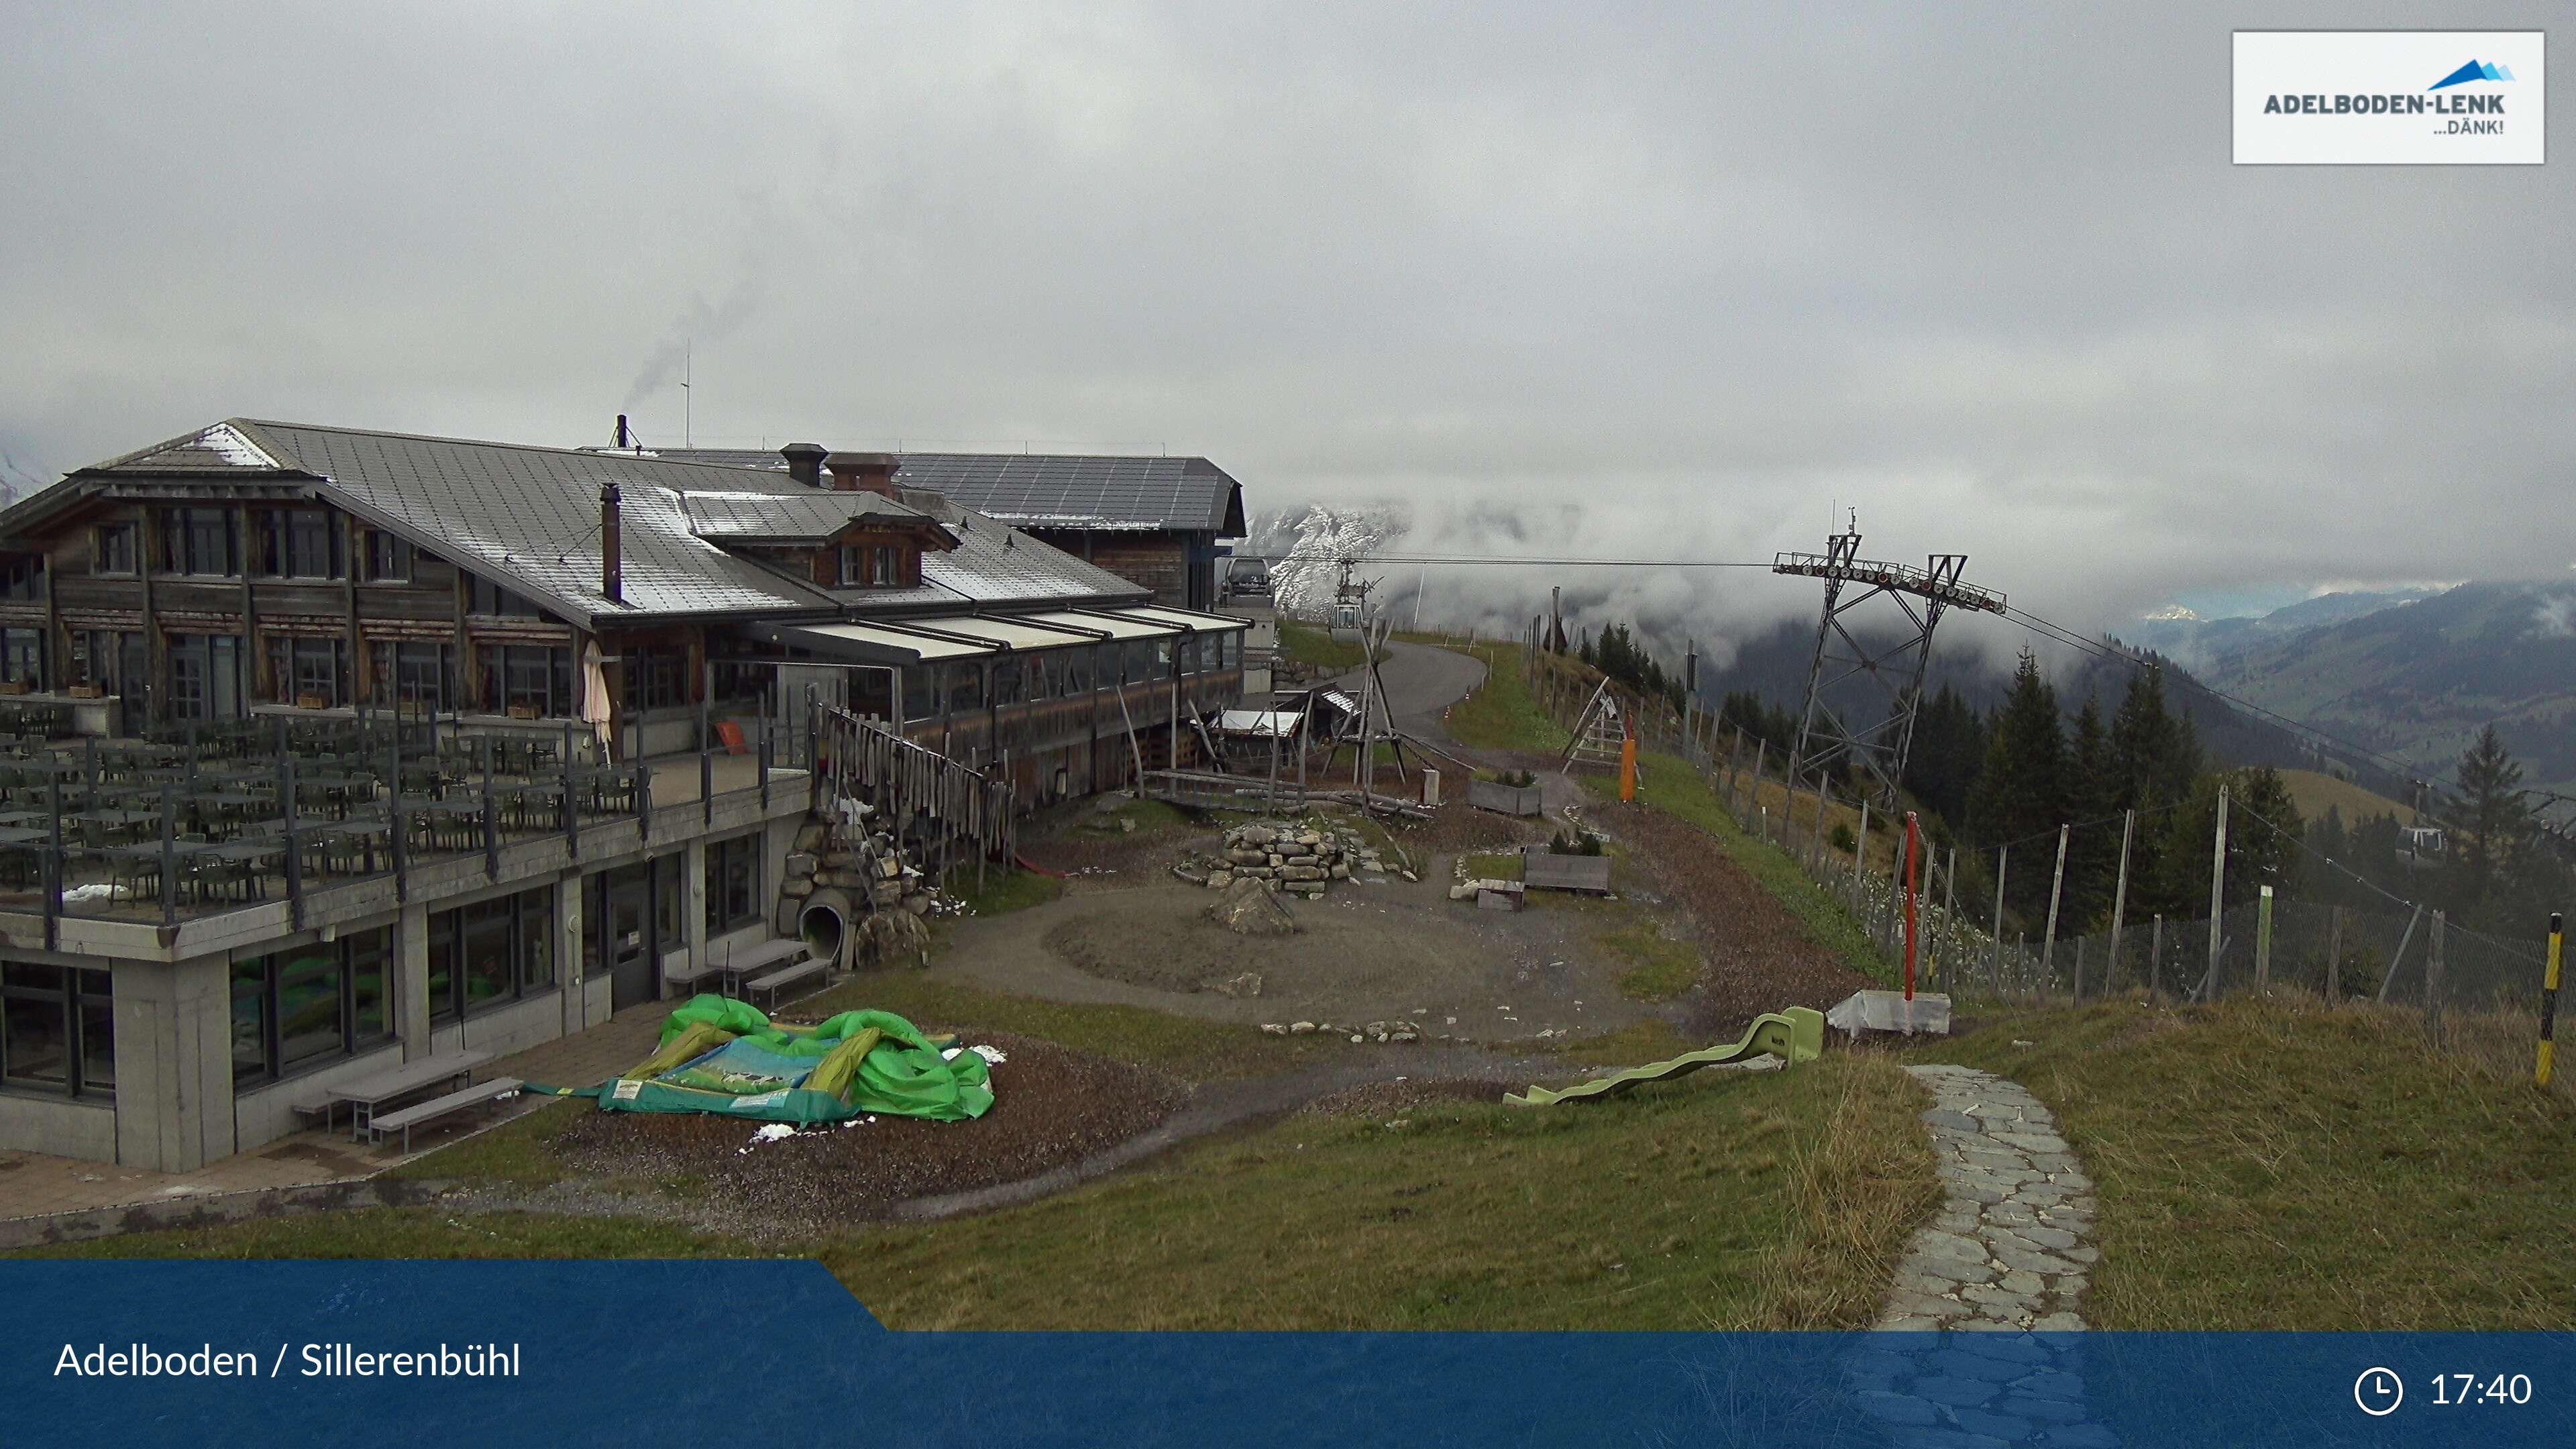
(2008, 1260)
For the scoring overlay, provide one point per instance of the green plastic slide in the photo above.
(1794, 1035)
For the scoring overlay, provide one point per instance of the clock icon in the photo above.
(2378, 1392)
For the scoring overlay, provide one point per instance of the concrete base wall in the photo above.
(264, 1114)
(59, 1125)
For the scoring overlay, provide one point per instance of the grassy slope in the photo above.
(2270, 1165)
(2312, 792)
(1309, 645)
(1771, 1199)
(1500, 715)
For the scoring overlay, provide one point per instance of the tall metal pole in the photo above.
(2217, 892)
(2155, 960)
(2119, 900)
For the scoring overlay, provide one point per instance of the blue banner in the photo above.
(482, 1355)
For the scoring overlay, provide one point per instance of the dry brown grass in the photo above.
(1858, 1194)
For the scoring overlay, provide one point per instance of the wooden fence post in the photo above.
(2263, 942)
(2334, 953)
(2156, 961)
(1995, 968)
(2217, 893)
(2056, 885)
(2433, 985)
(2119, 901)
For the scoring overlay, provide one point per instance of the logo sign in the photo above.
(2390, 98)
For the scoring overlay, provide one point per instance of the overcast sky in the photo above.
(1630, 280)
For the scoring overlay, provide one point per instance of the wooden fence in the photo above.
(941, 813)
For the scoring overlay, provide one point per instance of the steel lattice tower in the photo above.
(1826, 737)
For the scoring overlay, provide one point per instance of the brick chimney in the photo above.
(612, 562)
(863, 472)
(804, 463)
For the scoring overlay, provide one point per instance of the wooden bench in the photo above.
(686, 978)
(366, 1094)
(756, 960)
(779, 980)
(480, 1094)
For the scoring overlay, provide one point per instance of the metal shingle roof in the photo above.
(529, 518)
(1057, 490)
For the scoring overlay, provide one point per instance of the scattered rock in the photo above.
(1247, 909)
(1247, 984)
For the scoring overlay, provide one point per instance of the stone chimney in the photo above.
(804, 463)
(863, 472)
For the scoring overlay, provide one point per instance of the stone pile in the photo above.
(1288, 858)
(1383, 1032)
(865, 863)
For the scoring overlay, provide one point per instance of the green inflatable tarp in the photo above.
(722, 1056)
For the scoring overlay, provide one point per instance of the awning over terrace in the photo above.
(1189, 619)
(959, 636)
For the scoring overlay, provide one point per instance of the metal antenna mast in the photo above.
(1826, 736)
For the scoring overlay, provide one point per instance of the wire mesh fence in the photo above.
(2405, 955)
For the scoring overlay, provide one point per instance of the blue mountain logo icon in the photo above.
(2473, 71)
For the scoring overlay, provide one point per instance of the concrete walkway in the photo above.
(2008, 1259)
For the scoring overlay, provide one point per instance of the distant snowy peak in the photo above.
(2172, 614)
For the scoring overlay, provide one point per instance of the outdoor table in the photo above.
(20, 835)
(367, 1093)
(22, 817)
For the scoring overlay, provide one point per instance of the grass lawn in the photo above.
(1658, 969)
(1500, 715)
(1004, 891)
(1776, 1199)
(1310, 645)
(1673, 787)
(2282, 1164)
(414, 1233)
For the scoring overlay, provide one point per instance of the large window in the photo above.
(414, 676)
(386, 558)
(57, 1030)
(300, 543)
(115, 549)
(873, 566)
(309, 668)
(308, 1005)
(199, 541)
(491, 954)
(733, 883)
(113, 661)
(22, 656)
(920, 694)
(532, 677)
(965, 681)
(205, 676)
(23, 577)
(656, 680)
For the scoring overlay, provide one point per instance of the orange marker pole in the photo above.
(1628, 767)
(1909, 904)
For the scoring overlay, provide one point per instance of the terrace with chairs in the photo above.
(200, 819)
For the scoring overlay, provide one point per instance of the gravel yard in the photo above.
(1051, 1107)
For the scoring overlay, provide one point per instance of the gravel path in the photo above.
(2008, 1259)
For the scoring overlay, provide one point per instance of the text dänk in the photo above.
(2383, 106)
(315, 1360)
